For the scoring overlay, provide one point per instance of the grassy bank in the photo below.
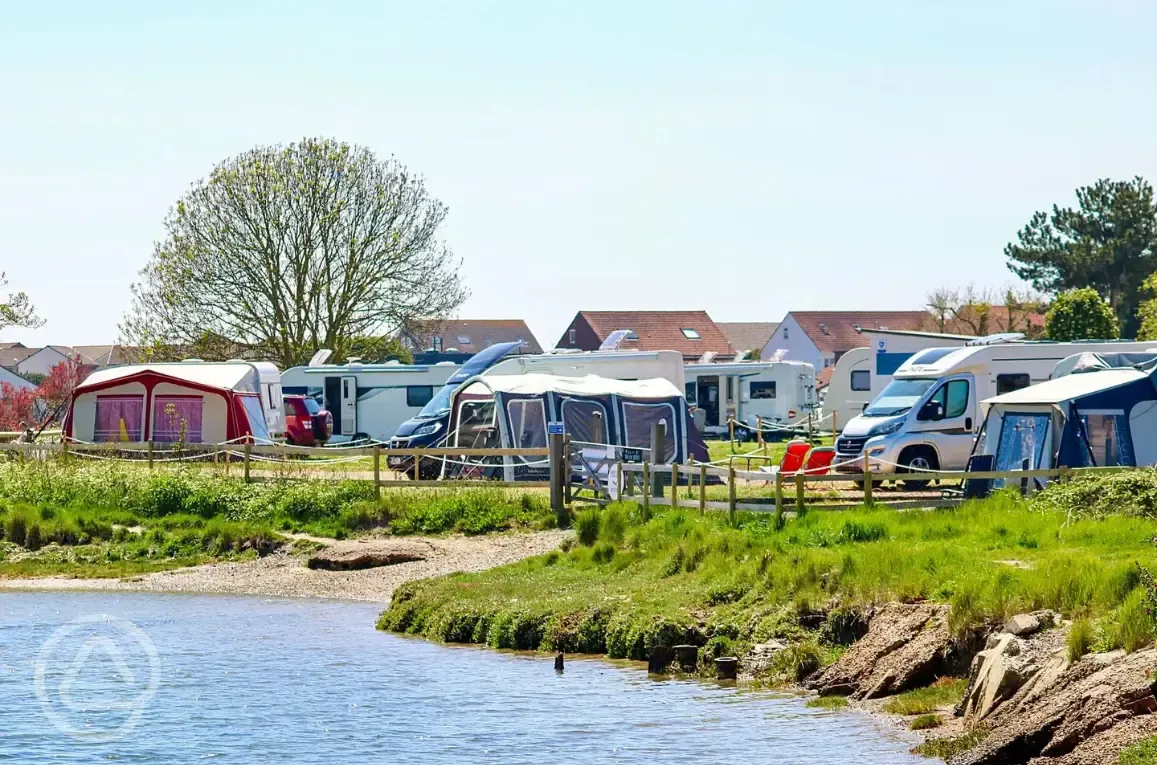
(685, 578)
(112, 520)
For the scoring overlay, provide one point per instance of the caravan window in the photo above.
(419, 395)
(527, 423)
(1009, 383)
(638, 420)
(861, 380)
(1108, 438)
(585, 421)
(763, 390)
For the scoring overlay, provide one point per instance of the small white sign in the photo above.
(613, 482)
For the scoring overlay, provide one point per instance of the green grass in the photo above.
(924, 701)
(828, 702)
(944, 748)
(332, 508)
(1142, 753)
(1079, 641)
(685, 578)
(721, 450)
(925, 722)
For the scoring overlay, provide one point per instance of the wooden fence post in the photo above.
(377, 471)
(731, 431)
(150, 455)
(762, 446)
(64, 450)
(557, 477)
(247, 447)
(675, 485)
(702, 489)
(867, 479)
(778, 492)
(619, 467)
(800, 508)
(658, 456)
(566, 468)
(646, 491)
(417, 465)
(731, 494)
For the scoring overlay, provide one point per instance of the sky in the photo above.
(747, 158)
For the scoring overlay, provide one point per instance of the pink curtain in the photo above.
(119, 418)
(172, 414)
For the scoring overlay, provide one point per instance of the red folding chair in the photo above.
(819, 460)
(794, 456)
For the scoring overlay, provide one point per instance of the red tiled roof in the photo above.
(748, 335)
(835, 331)
(824, 377)
(473, 335)
(659, 331)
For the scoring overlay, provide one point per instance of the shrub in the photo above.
(1129, 493)
(1081, 314)
(613, 525)
(586, 526)
(1080, 639)
(925, 722)
(32, 540)
(16, 527)
(603, 553)
(798, 660)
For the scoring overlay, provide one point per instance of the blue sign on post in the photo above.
(554, 429)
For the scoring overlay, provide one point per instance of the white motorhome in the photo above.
(861, 373)
(927, 417)
(776, 392)
(368, 401)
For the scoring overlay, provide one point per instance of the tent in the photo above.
(1099, 418)
(513, 411)
(1094, 362)
(194, 402)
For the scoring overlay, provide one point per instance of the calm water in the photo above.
(238, 680)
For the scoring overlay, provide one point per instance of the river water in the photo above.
(148, 678)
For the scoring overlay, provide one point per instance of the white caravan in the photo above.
(778, 392)
(929, 414)
(368, 401)
(861, 373)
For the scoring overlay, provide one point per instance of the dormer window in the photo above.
(463, 340)
(571, 335)
(690, 334)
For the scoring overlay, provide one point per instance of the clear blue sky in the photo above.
(749, 158)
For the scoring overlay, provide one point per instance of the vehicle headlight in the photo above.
(886, 428)
(427, 430)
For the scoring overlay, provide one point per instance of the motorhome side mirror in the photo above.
(933, 410)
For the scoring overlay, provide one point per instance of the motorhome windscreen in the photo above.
(1022, 437)
(898, 397)
(440, 404)
(638, 419)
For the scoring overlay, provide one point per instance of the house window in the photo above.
(419, 395)
(689, 333)
(630, 334)
(1009, 383)
(827, 362)
(463, 340)
(570, 335)
(763, 390)
(861, 380)
(785, 333)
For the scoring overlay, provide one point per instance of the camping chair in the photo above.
(974, 488)
(819, 460)
(793, 458)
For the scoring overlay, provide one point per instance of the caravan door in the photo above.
(349, 406)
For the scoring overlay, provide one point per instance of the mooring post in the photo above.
(559, 662)
(557, 494)
(377, 471)
(658, 456)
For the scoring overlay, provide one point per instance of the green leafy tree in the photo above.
(1107, 242)
(17, 310)
(378, 350)
(1081, 315)
(284, 250)
(1147, 313)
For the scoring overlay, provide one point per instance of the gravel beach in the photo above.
(285, 575)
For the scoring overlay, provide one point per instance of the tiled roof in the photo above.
(10, 357)
(106, 355)
(661, 331)
(824, 377)
(835, 331)
(473, 335)
(747, 335)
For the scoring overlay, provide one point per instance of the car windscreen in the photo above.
(898, 397)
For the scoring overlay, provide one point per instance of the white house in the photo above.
(821, 337)
(9, 377)
(43, 360)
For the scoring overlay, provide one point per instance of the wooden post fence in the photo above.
(778, 492)
(150, 455)
(646, 491)
(377, 471)
(702, 489)
(557, 477)
(247, 448)
(731, 494)
(800, 509)
(675, 485)
(867, 479)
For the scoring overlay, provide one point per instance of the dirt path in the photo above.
(284, 575)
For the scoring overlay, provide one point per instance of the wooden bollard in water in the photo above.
(727, 667)
(660, 660)
(558, 662)
(688, 657)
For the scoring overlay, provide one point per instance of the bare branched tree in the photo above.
(16, 310)
(287, 249)
(973, 310)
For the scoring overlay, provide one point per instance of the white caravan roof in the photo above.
(1068, 387)
(590, 385)
(938, 362)
(739, 367)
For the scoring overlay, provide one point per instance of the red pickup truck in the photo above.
(306, 423)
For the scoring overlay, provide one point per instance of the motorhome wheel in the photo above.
(918, 460)
(742, 434)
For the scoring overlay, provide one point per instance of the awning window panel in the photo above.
(638, 420)
(119, 418)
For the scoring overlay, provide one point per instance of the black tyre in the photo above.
(917, 461)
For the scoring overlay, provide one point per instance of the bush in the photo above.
(586, 526)
(1129, 493)
(613, 525)
(32, 540)
(1081, 315)
(16, 527)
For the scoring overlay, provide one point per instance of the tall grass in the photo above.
(685, 578)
